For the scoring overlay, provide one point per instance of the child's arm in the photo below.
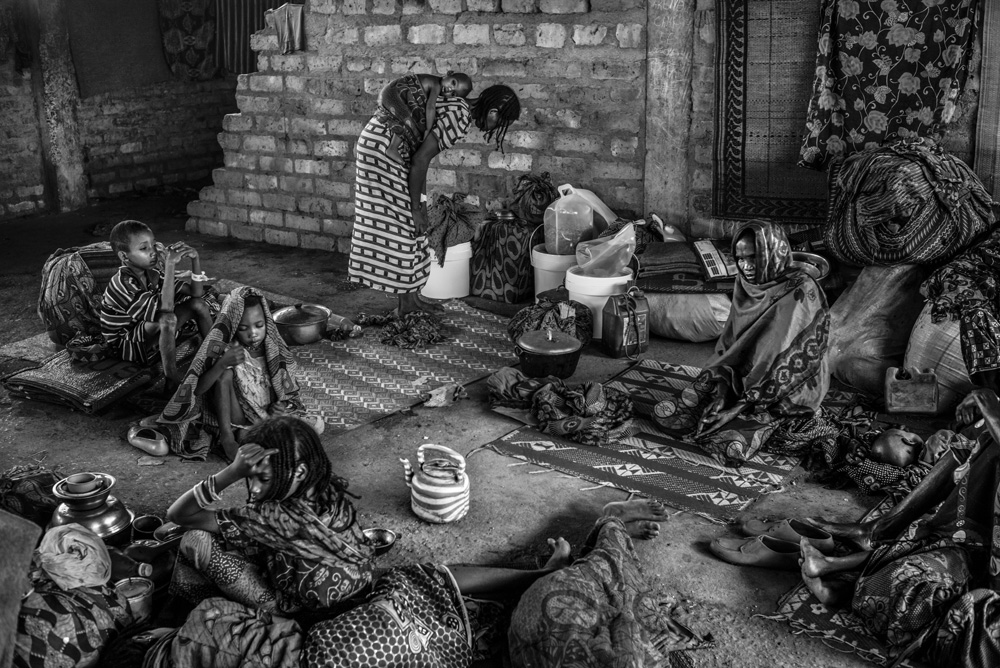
(171, 286)
(433, 89)
(233, 356)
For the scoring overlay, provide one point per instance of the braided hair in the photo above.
(508, 107)
(297, 443)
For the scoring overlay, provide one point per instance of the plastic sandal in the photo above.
(148, 440)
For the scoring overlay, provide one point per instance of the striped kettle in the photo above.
(439, 488)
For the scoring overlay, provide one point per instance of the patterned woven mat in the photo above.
(838, 628)
(355, 381)
(650, 462)
(766, 64)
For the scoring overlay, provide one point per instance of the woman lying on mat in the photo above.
(294, 546)
(764, 386)
(247, 368)
(930, 582)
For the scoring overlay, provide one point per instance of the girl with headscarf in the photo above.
(769, 374)
(295, 546)
(245, 368)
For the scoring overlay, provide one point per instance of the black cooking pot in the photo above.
(548, 353)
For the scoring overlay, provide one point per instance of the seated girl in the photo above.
(295, 546)
(763, 387)
(247, 367)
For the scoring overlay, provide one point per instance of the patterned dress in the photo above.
(386, 252)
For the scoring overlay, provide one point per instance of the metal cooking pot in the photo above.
(548, 353)
(302, 323)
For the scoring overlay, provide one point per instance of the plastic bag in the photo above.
(607, 256)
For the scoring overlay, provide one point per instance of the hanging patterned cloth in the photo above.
(883, 70)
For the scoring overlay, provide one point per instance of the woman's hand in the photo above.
(248, 458)
(279, 408)
(715, 421)
(420, 219)
(975, 404)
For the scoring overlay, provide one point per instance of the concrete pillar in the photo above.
(669, 54)
(62, 153)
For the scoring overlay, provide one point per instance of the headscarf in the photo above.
(186, 406)
(74, 556)
(771, 280)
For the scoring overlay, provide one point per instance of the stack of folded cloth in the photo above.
(669, 257)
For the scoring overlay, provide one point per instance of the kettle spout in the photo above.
(407, 471)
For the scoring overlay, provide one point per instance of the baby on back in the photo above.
(407, 107)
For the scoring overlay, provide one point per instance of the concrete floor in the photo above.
(513, 510)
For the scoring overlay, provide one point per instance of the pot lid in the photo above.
(548, 342)
(504, 214)
(301, 314)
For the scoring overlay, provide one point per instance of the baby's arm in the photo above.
(433, 89)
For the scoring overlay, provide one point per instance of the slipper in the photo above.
(148, 440)
(792, 531)
(762, 551)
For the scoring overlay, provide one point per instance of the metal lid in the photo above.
(504, 214)
(301, 314)
(548, 342)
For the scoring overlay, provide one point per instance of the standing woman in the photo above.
(388, 248)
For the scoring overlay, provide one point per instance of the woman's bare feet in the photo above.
(637, 509)
(858, 535)
(814, 563)
(643, 529)
(560, 554)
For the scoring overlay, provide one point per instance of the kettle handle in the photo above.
(440, 452)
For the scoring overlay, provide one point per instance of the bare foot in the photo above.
(636, 509)
(859, 535)
(643, 529)
(560, 554)
(431, 307)
(814, 563)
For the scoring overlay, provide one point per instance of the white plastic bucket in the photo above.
(452, 280)
(594, 292)
(550, 270)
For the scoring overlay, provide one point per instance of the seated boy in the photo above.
(137, 312)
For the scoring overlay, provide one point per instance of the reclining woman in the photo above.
(244, 367)
(929, 582)
(764, 386)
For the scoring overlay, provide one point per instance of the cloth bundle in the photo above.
(907, 202)
(532, 195)
(417, 329)
(74, 556)
(501, 261)
(590, 413)
(555, 311)
(451, 221)
(26, 490)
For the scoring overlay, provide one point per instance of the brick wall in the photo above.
(577, 66)
(146, 137)
(21, 186)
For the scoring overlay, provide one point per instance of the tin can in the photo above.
(139, 593)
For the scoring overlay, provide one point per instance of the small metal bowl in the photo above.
(381, 539)
(815, 265)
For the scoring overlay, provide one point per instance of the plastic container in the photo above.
(594, 292)
(452, 280)
(550, 270)
(568, 221)
(603, 216)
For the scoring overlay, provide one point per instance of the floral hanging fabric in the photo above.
(885, 69)
(188, 28)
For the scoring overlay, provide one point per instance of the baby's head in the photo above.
(134, 244)
(897, 447)
(456, 84)
(252, 327)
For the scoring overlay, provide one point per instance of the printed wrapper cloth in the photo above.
(74, 556)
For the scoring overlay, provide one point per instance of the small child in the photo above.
(408, 103)
(247, 366)
(138, 315)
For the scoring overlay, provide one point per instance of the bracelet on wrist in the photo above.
(205, 493)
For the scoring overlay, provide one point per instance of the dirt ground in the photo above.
(514, 509)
